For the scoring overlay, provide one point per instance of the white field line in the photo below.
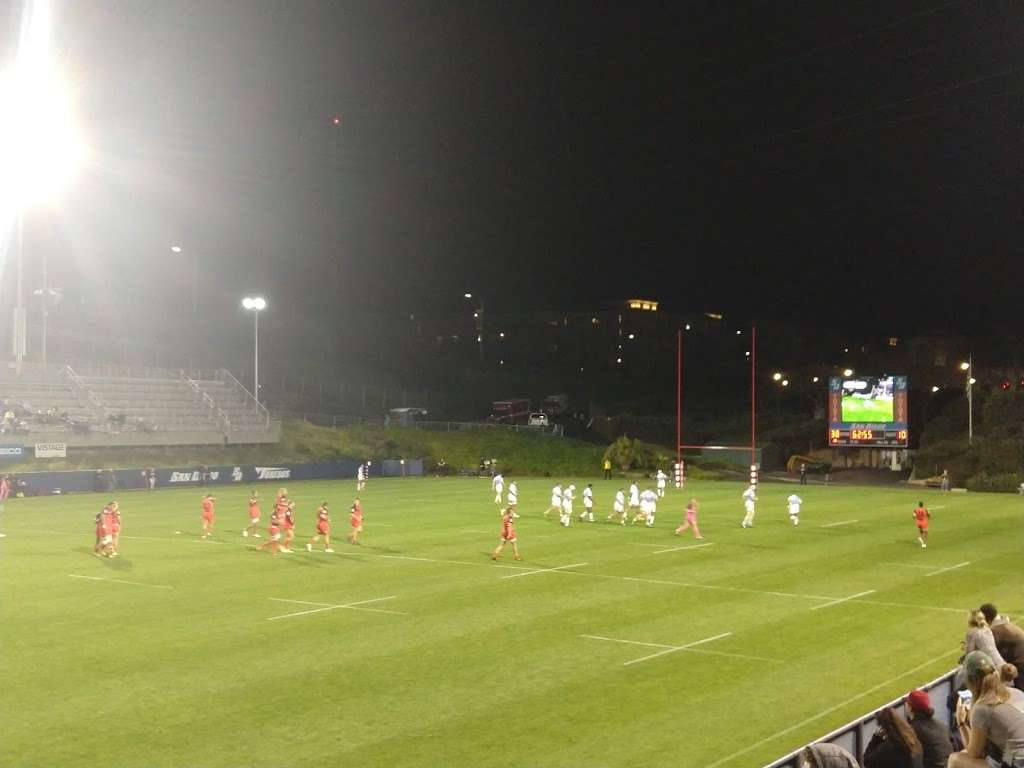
(543, 570)
(680, 549)
(329, 607)
(119, 581)
(910, 565)
(683, 648)
(676, 648)
(829, 711)
(841, 522)
(449, 562)
(843, 600)
(949, 568)
(628, 642)
(642, 544)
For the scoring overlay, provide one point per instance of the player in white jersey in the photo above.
(662, 479)
(749, 497)
(634, 497)
(588, 503)
(619, 507)
(361, 478)
(652, 506)
(567, 498)
(648, 502)
(498, 484)
(556, 500)
(513, 495)
(793, 503)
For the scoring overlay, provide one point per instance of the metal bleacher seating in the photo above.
(110, 405)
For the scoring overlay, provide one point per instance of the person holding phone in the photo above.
(995, 714)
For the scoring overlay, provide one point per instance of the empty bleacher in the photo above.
(107, 405)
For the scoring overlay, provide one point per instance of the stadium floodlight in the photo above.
(776, 376)
(848, 372)
(467, 295)
(815, 379)
(176, 248)
(785, 382)
(934, 389)
(965, 366)
(255, 304)
(968, 368)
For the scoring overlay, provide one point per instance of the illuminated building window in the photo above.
(893, 341)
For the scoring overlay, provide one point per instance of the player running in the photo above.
(208, 516)
(355, 519)
(690, 521)
(508, 534)
(556, 500)
(634, 497)
(323, 528)
(289, 527)
(793, 503)
(513, 494)
(922, 516)
(498, 484)
(254, 514)
(274, 533)
(749, 497)
(648, 506)
(662, 479)
(588, 503)
(618, 507)
(567, 499)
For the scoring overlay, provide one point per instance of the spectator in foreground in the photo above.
(894, 744)
(936, 745)
(979, 638)
(996, 715)
(826, 756)
(1009, 639)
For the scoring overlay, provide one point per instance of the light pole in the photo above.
(255, 304)
(969, 368)
(478, 316)
(177, 249)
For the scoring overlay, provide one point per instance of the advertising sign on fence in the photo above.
(11, 451)
(51, 450)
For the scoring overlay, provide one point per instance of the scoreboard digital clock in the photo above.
(868, 411)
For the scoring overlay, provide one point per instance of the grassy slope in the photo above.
(479, 669)
(300, 442)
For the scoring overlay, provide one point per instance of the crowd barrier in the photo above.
(108, 480)
(855, 735)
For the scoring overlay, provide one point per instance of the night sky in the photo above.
(853, 165)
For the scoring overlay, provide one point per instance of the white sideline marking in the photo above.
(330, 607)
(448, 562)
(673, 649)
(950, 568)
(542, 570)
(843, 599)
(828, 711)
(910, 565)
(682, 648)
(679, 549)
(119, 581)
(841, 522)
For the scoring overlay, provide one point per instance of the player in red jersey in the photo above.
(323, 528)
(922, 516)
(690, 521)
(508, 534)
(289, 526)
(355, 519)
(115, 526)
(208, 516)
(254, 515)
(102, 548)
(274, 541)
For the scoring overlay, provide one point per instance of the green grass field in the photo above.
(876, 411)
(210, 654)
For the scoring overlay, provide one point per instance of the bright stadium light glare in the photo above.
(934, 390)
(40, 148)
(776, 376)
(965, 366)
(468, 295)
(848, 372)
(176, 248)
(972, 380)
(815, 379)
(257, 303)
(785, 382)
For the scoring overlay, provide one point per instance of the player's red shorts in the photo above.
(922, 528)
(101, 532)
(208, 517)
(355, 521)
(115, 528)
(324, 529)
(254, 514)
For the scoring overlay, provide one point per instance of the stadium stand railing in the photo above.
(342, 420)
(855, 735)
(121, 405)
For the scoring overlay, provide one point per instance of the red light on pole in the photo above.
(336, 120)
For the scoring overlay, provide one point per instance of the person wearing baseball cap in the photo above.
(996, 714)
(933, 735)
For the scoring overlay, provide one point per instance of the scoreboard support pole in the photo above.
(753, 405)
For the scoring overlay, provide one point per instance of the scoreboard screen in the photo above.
(868, 411)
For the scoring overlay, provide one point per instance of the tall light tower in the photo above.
(478, 317)
(968, 367)
(39, 145)
(255, 304)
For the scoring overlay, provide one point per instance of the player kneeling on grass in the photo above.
(793, 505)
(508, 534)
(690, 521)
(274, 531)
(355, 519)
(208, 516)
(922, 515)
(323, 528)
(254, 515)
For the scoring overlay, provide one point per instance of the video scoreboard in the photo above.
(868, 411)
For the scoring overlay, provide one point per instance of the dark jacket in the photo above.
(934, 738)
(1009, 641)
(882, 753)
